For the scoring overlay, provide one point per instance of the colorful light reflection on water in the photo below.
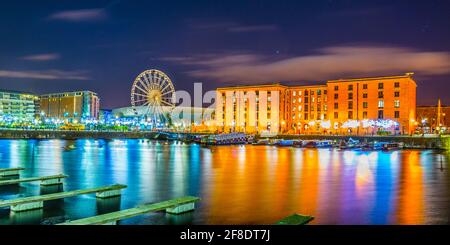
(237, 184)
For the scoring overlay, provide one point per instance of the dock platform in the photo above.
(37, 202)
(10, 171)
(45, 180)
(295, 219)
(174, 206)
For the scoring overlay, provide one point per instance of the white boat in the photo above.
(392, 146)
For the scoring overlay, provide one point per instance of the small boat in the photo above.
(325, 144)
(350, 144)
(262, 142)
(372, 146)
(392, 146)
(298, 143)
(310, 144)
(285, 143)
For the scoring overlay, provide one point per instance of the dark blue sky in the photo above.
(54, 46)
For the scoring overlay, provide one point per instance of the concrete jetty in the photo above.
(173, 206)
(10, 171)
(45, 180)
(36, 202)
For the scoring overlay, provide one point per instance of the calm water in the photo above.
(238, 184)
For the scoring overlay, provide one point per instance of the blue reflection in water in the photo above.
(237, 184)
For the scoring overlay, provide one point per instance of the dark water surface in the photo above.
(237, 184)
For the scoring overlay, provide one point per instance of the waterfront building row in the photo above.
(67, 105)
(358, 106)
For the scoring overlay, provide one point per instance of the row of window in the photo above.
(364, 95)
(319, 92)
(365, 86)
(364, 114)
(365, 104)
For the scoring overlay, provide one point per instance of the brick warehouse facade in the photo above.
(345, 106)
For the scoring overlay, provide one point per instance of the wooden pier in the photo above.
(36, 202)
(295, 219)
(173, 206)
(10, 171)
(45, 180)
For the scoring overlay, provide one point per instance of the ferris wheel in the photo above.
(154, 91)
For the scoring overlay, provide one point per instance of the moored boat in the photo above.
(392, 146)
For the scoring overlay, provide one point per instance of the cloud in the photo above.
(45, 75)
(326, 63)
(80, 15)
(42, 57)
(234, 27)
(255, 28)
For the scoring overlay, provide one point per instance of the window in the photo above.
(299, 100)
(294, 93)
(299, 93)
(336, 106)
(365, 96)
(397, 114)
(350, 96)
(350, 87)
(336, 88)
(312, 108)
(396, 94)
(336, 96)
(306, 92)
(397, 85)
(306, 116)
(364, 114)
(325, 107)
(293, 109)
(319, 92)
(350, 105)
(381, 104)
(380, 85)
(325, 116)
(294, 100)
(312, 92)
(336, 115)
(306, 107)
(380, 114)
(365, 86)
(306, 99)
(380, 94)
(397, 103)
(299, 107)
(350, 115)
(365, 105)
(312, 100)
(325, 92)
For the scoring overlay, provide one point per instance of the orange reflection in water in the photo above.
(261, 184)
(309, 183)
(411, 205)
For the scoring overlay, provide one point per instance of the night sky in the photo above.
(56, 46)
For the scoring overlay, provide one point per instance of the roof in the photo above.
(253, 86)
(14, 92)
(406, 75)
(68, 92)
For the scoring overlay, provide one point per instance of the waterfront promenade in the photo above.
(416, 140)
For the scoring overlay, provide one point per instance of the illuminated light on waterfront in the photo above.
(349, 157)
(373, 157)
(364, 176)
(325, 124)
(411, 205)
(350, 124)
